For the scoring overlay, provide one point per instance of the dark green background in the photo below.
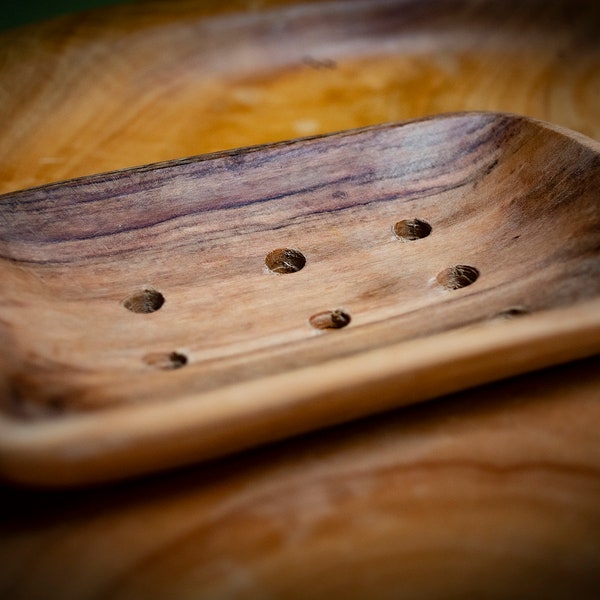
(13, 14)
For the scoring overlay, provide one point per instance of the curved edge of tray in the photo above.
(101, 447)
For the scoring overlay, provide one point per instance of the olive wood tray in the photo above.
(165, 314)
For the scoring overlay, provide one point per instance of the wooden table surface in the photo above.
(493, 492)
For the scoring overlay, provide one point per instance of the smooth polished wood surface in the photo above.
(154, 81)
(492, 493)
(504, 220)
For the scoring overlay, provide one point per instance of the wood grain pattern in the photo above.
(154, 81)
(227, 328)
(491, 493)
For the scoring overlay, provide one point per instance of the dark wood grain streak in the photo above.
(174, 194)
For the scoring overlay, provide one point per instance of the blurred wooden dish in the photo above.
(153, 81)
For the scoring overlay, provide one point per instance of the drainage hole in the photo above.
(285, 260)
(460, 276)
(166, 361)
(513, 312)
(146, 301)
(411, 229)
(330, 319)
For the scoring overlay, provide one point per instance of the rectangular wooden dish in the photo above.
(166, 314)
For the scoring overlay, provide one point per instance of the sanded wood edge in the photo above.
(87, 449)
(103, 177)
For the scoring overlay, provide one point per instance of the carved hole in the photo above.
(146, 301)
(513, 312)
(460, 276)
(411, 229)
(285, 260)
(330, 319)
(166, 361)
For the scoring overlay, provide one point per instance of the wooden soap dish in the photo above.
(174, 312)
